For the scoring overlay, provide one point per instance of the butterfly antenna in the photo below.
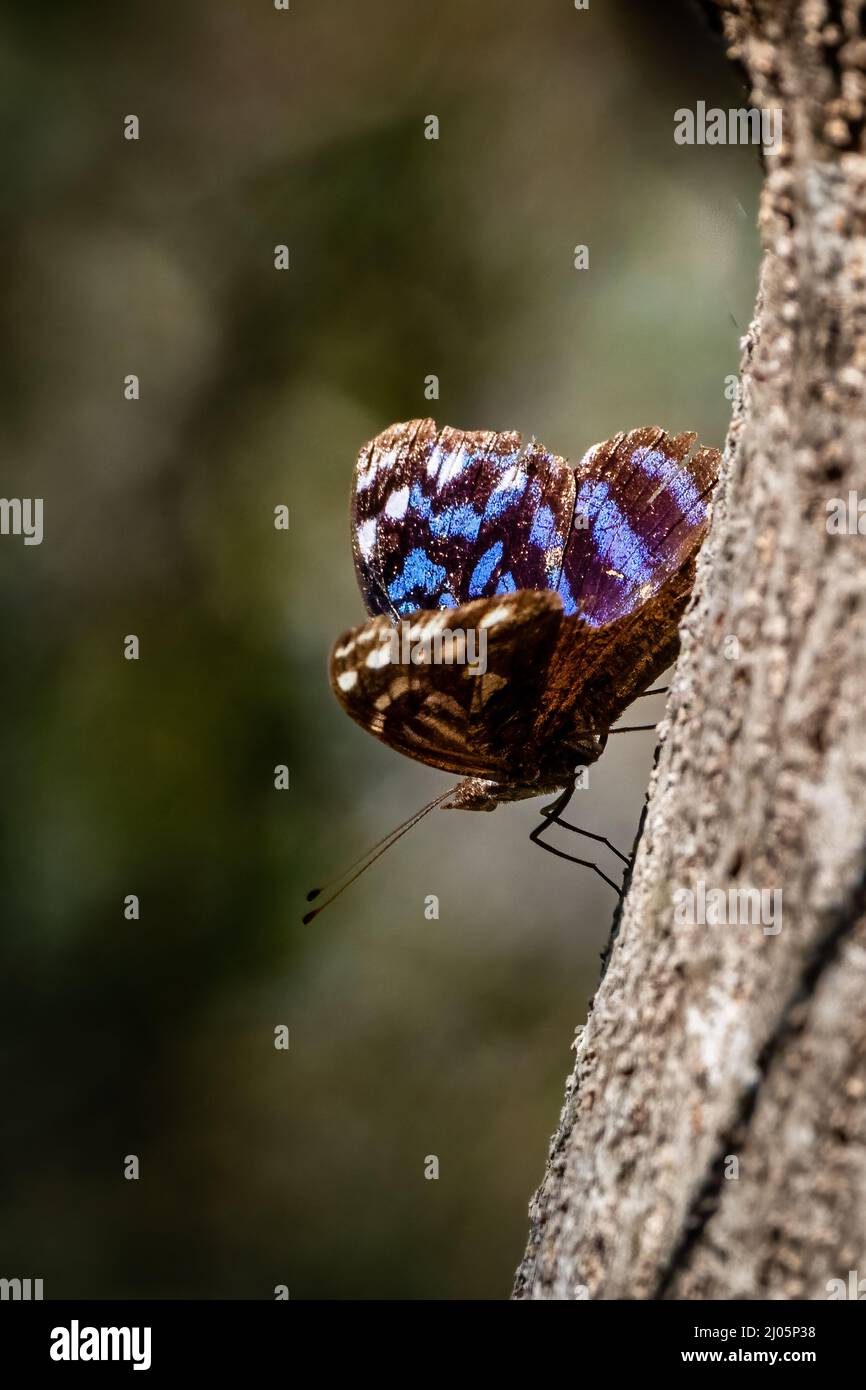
(369, 857)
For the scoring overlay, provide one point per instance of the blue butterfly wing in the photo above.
(443, 517)
(440, 518)
(384, 475)
(640, 512)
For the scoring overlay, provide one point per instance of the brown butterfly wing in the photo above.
(474, 723)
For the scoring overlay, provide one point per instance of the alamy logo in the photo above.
(846, 516)
(739, 126)
(854, 1290)
(448, 646)
(21, 1289)
(75, 1343)
(22, 516)
(733, 907)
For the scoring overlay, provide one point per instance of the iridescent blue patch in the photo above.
(457, 521)
(418, 573)
(484, 569)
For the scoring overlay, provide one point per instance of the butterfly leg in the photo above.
(556, 807)
(551, 817)
(572, 858)
(659, 690)
(553, 814)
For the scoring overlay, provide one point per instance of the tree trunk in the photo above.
(713, 1138)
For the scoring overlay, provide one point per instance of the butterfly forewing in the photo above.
(440, 518)
(386, 466)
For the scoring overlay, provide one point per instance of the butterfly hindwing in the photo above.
(473, 717)
(641, 510)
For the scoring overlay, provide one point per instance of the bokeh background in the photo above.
(409, 257)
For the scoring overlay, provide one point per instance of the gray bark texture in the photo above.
(706, 1044)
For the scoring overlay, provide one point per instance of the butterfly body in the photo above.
(570, 583)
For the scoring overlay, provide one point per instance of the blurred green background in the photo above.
(408, 257)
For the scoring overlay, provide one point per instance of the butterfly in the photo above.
(574, 577)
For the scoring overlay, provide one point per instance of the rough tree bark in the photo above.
(706, 1043)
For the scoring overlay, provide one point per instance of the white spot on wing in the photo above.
(434, 461)
(366, 534)
(379, 656)
(453, 467)
(510, 478)
(366, 475)
(347, 679)
(496, 615)
(397, 503)
(419, 632)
